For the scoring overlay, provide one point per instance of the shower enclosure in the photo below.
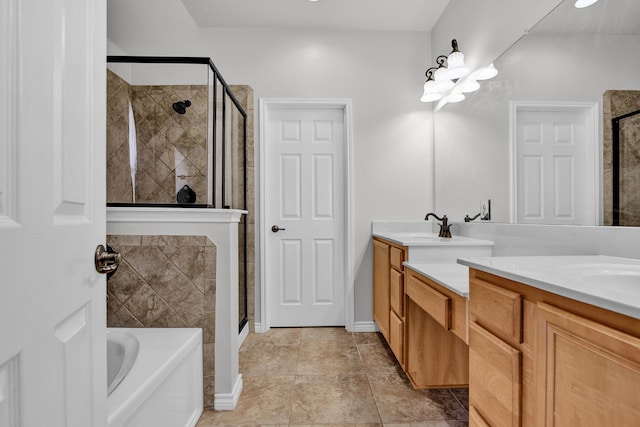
(177, 137)
(626, 169)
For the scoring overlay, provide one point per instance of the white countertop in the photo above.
(428, 239)
(454, 277)
(608, 282)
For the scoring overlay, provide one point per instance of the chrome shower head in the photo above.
(181, 106)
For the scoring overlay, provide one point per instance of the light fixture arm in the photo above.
(429, 73)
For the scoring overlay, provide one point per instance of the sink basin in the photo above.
(617, 277)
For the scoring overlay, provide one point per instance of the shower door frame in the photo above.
(615, 169)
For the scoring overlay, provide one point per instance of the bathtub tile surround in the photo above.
(286, 383)
(615, 104)
(166, 282)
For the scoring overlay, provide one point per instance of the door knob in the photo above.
(107, 260)
(275, 229)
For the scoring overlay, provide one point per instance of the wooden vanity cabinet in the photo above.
(435, 334)
(539, 359)
(388, 293)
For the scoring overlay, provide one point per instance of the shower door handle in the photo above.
(275, 229)
(107, 260)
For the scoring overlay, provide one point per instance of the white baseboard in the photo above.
(228, 401)
(258, 328)
(369, 326)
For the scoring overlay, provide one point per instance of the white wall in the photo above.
(382, 72)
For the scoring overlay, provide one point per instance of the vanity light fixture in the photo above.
(442, 78)
(452, 75)
(584, 3)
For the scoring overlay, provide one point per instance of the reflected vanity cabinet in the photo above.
(540, 359)
(388, 293)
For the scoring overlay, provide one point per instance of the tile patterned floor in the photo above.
(311, 376)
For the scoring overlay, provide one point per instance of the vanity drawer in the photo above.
(396, 285)
(397, 258)
(434, 303)
(496, 309)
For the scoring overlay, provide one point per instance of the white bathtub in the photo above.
(164, 384)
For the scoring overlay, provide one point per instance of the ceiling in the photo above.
(379, 15)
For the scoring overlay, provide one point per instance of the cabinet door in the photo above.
(396, 336)
(588, 373)
(494, 378)
(381, 270)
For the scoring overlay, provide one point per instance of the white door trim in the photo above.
(266, 104)
(594, 153)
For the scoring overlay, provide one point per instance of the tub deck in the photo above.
(164, 385)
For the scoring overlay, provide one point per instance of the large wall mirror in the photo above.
(582, 65)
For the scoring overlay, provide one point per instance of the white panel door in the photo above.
(305, 200)
(554, 167)
(52, 213)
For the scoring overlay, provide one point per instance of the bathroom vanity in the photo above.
(420, 314)
(554, 341)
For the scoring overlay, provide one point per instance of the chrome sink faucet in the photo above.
(445, 227)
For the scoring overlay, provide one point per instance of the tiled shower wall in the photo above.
(615, 104)
(171, 148)
(166, 282)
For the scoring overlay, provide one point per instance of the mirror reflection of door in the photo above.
(554, 164)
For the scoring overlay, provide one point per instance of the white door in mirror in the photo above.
(554, 165)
